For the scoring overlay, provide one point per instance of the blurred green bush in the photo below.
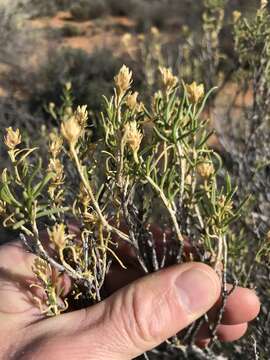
(88, 9)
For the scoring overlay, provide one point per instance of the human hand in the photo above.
(136, 318)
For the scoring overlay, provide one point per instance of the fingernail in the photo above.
(198, 290)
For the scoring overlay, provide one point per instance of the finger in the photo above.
(140, 316)
(241, 306)
(225, 333)
(13, 257)
(18, 296)
(228, 333)
(250, 304)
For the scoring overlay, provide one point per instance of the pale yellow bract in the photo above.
(12, 138)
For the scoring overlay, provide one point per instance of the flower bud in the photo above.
(56, 143)
(81, 115)
(133, 137)
(132, 100)
(168, 79)
(42, 269)
(123, 80)
(236, 16)
(205, 170)
(12, 138)
(189, 179)
(57, 168)
(264, 3)
(71, 130)
(154, 31)
(68, 86)
(57, 235)
(195, 92)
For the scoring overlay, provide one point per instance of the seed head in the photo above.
(12, 138)
(71, 130)
(168, 79)
(132, 100)
(133, 137)
(195, 92)
(123, 80)
(205, 169)
(57, 236)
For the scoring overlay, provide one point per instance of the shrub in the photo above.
(147, 14)
(122, 8)
(90, 74)
(88, 9)
(69, 30)
(124, 181)
(38, 8)
(42, 8)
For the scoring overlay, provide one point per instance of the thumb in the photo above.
(142, 315)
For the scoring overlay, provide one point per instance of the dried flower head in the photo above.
(57, 167)
(226, 205)
(126, 39)
(51, 106)
(71, 130)
(168, 79)
(189, 179)
(205, 169)
(68, 86)
(133, 137)
(132, 100)
(57, 235)
(12, 138)
(264, 3)
(90, 217)
(56, 143)
(83, 196)
(123, 80)
(141, 37)
(41, 269)
(81, 115)
(154, 31)
(236, 16)
(195, 92)
(2, 208)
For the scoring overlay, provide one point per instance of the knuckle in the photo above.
(141, 318)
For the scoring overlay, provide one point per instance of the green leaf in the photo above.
(39, 187)
(8, 197)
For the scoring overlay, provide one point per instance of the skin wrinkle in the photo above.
(16, 283)
(28, 351)
(82, 334)
(167, 304)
